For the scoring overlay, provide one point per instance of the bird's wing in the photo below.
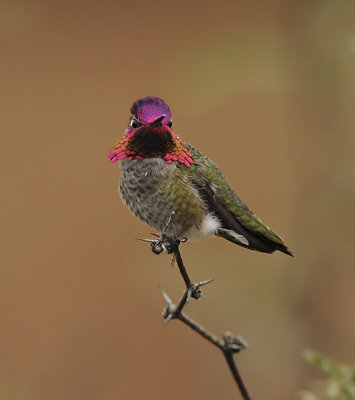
(239, 224)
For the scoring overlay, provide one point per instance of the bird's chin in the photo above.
(151, 141)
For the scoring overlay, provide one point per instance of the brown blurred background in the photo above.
(268, 91)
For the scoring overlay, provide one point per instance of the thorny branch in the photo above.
(228, 343)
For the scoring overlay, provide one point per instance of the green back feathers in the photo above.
(225, 193)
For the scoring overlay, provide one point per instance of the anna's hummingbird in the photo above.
(163, 176)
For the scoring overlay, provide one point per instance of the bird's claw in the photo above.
(156, 247)
(169, 245)
(164, 243)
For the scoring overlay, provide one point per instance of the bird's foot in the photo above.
(163, 243)
(167, 244)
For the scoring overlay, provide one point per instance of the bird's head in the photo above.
(150, 134)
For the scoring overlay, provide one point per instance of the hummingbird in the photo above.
(163, 176)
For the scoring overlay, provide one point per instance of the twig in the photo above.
(228, 343)
(192, 290)
(171, 246)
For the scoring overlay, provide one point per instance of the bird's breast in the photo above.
(153, 189)
(141, 179)
(140, 186)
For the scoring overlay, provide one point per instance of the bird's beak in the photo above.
(158, 120)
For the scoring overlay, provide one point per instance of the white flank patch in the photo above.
(210, 225)
(242, 239)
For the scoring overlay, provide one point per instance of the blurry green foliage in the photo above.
(339, 383)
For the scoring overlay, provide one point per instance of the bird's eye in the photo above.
(134, 123)
(170, 124)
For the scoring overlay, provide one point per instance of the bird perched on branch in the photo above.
(166, 179)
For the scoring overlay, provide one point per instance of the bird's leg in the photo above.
(171, 246)
(164, 242)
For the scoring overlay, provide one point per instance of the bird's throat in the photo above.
(152, 142)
